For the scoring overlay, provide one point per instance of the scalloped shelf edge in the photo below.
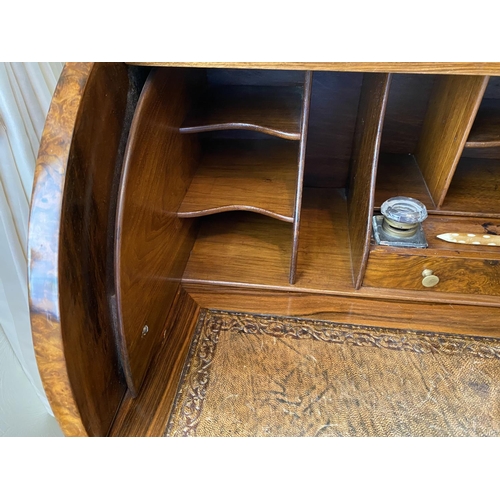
(291, 136)
(233, 208)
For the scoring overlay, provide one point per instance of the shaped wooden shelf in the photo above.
(485, 132)
(268, 109)
(246, 249)
(254, 175)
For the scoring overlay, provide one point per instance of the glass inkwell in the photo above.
(400, 224)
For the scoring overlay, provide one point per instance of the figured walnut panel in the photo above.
(374, 94)
(452, 108)
(152, 243)
(68, 246)
(43, 246)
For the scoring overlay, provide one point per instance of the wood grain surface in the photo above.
(460, 268)
(255, 77)
(472, 192)
(425, 315)
(458, 68)
(43, 247)
(68, 246)
(332, 120)
(255, 175)
(399, 175)
(485, 132)
(152, 243)
(451, 112)
(441, 224)
(361, 190)
(406, 109)
(147, 414)
(251, 249)
(491, 153)
(90, 338)
(297, 212)
(456, 275)
(474, 188)
(268, 109)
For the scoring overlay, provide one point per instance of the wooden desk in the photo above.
(163, 189)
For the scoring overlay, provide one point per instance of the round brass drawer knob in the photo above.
(429, 279)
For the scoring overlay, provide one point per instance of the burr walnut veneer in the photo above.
(162, 189)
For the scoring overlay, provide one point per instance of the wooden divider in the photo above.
(300, 176)
(361, 190)
(452, 108)
(152, 243)
(254, 175)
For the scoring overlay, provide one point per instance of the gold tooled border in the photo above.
(188, 405)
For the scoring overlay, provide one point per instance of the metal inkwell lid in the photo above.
(400, 224)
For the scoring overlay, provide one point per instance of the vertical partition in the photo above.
(372, 105)
(258, 175)
(452, 108)
(306, 103)
(152, 243)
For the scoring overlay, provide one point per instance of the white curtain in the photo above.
(25, 93)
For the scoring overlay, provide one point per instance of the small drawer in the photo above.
(456, 275)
